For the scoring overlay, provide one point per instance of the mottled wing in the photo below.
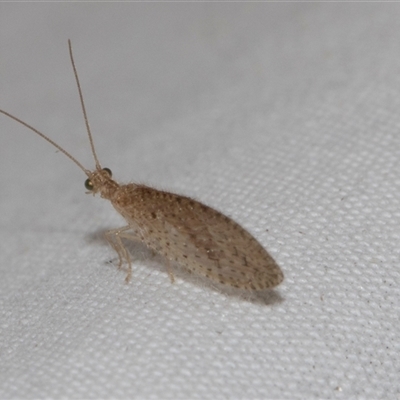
(212, 245)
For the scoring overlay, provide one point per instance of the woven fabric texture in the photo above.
(283, 116)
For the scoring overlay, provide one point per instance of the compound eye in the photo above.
(88, 184)
(108, 170)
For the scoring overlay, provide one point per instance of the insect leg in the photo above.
(113, 237)
(134, 236)
(169, 270)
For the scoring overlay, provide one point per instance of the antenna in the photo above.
(85, 117)
(86, 171)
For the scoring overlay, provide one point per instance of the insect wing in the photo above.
(212, 245)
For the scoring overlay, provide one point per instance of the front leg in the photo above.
(113, 237)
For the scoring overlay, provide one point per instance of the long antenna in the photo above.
(87, 172)
(83, 106)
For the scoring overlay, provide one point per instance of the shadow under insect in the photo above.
(150, 259)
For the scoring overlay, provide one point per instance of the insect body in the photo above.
(183, 230)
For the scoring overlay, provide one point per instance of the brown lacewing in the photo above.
(202, 240)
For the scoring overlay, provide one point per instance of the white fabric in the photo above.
(283, 116)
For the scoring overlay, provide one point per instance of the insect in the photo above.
(184, 231)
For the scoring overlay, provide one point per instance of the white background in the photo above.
(285, 117)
